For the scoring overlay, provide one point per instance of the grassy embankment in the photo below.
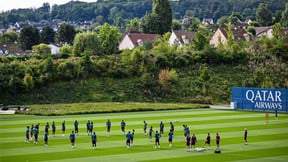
(105, 107)
(188, 89)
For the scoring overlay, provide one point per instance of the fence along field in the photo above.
(265, 142)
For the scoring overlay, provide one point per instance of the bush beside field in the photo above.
(105, 107)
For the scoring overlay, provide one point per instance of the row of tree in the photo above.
(118, 13)
(106, 38)
(103, 41)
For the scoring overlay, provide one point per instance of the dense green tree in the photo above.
(87, 42)
(66, 49)
(160, 21)
(251, 30)
(277, 28)
(222, 21)
(69, 69)
(133, 26)
(44, 12)
(248, 13)
(162, 12)
(204, 78)
(42, 49)
(176, 24)
(109, 38)
(229, 32)
(29, 36)
(28, 81)
(44, 8)
(161, 45)
(195, 25)
(235, 17)
(166, 79)
(47, 35)
(277, 16)
(200, 41)
(191, 24)
(116, 17)
(255, 24)
(87, 64)
(264, 15)
(47, 69)
(65, 34)
(9, 37)
(284, 18)
(13, 17)
(148, 24)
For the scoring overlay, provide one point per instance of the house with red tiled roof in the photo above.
(181, 37)
(221, 37)
(132, 40)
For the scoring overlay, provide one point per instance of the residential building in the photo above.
(207, 21)
(181, 37)
(264, 31)
(221, 36)
(132, 40)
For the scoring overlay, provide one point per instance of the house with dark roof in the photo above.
(12, 49)
(132, 40)
(264, 31)
(221, 36)
(207, 21)
(181, 37)
(2, 28)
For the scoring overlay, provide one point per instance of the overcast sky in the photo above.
(15, 4)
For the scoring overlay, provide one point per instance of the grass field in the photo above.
(265, 142)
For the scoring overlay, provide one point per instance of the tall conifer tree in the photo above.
(160, 21)
(264, 15)
(284, 19)
(162, 12)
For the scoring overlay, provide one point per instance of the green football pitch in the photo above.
(265, 142)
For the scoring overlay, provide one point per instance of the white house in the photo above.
(54, 49)
(207, 21)
(181, 37)
(133, 40)
(221, 36)
(264, 31)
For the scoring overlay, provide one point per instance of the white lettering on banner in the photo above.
(261, 95)
(268, 105)
(277, 96)
(251, 96)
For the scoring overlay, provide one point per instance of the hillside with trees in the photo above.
(89, 67)
(119, 12)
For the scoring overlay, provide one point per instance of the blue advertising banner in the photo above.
(260, 99)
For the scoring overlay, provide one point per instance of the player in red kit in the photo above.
(193, 141)
(217, 140)
(207, 141)
(188, 142)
